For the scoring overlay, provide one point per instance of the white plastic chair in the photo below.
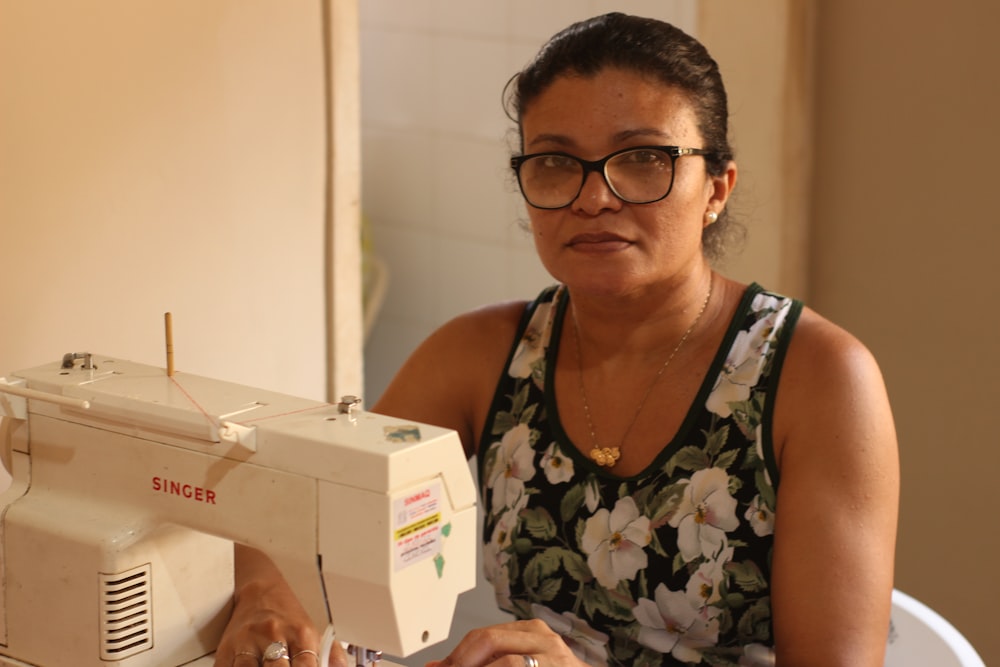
(921, 637)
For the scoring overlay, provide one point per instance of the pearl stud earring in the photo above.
(711, 217)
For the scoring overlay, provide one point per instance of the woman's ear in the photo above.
(721, 187)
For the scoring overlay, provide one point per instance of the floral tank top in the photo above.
(669, 567)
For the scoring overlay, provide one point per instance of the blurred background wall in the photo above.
(903, 254)
(172, 156)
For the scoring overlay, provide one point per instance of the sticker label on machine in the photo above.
(417, 525)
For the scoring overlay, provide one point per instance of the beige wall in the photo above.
(767, 73)
(169, 156)
(904, 255)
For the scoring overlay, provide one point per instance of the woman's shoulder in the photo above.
(828, 374)
(476, 340)
(453, 373)
(484, 328)
(815, 342)
(822, 345)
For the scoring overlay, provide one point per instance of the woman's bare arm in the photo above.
(837, 503)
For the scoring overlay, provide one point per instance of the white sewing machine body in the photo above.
(117, 529)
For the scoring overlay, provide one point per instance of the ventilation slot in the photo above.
(126, 613)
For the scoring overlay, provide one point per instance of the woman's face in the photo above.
(599, 243)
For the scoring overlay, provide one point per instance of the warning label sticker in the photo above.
(417, 525)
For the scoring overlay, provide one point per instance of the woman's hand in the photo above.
(516, 644)
(265, 612)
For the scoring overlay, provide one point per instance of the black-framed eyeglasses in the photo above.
(637, 175)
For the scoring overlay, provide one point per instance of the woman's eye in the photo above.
(558, 162)
(643, 157)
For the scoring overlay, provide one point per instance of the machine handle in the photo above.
(43, 396)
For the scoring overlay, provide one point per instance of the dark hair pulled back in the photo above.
(648, 47)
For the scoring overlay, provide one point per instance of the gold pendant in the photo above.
(605, 456)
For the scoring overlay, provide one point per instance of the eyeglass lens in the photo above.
(638, 176)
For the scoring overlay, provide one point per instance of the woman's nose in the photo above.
(596, 195)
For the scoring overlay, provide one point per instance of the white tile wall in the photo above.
(441, 206)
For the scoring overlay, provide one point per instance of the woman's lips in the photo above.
(598, 242)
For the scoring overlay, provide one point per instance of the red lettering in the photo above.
(417, 496)
(189, 491)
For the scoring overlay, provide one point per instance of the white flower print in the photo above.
(706, 512)
(503, 531)
(558, 468)
(745, 361)
(496, 559)
(757, 655)
(590, 646)
(615, 542)
(533, 343)
(667, 566)
(513, 466)
(761, 518)
(703, 586)
(497, 571)
(676, 625)
(592, 494)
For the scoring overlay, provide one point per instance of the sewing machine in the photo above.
(131, 483)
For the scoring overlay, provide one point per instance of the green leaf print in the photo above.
(678, 563)
(648, 658)
(538, 371)
(654, 544)
(575, 566)
(527, 415)
(747, 575)
(581, 527)
(572, 501)
(716, 439)
(755, 623)
(725, 618)
(735, 600)
(541, 566)
(548, 590)
(539, 524)
(520, 399)
(665, 503)
(522, 545)
(503, 422)
(625, 648)
(765, 490)
(688, 458)
(727, 459)
(616, 604)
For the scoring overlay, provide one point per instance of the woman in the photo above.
(676, 468)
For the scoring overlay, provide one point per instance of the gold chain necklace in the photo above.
(608, 456)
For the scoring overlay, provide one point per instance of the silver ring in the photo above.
(307, 651)
(276, 651)
(530, 661)
(252, 654)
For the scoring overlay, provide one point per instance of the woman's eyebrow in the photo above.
(642, 132)
(563, 141)
(557, 139)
